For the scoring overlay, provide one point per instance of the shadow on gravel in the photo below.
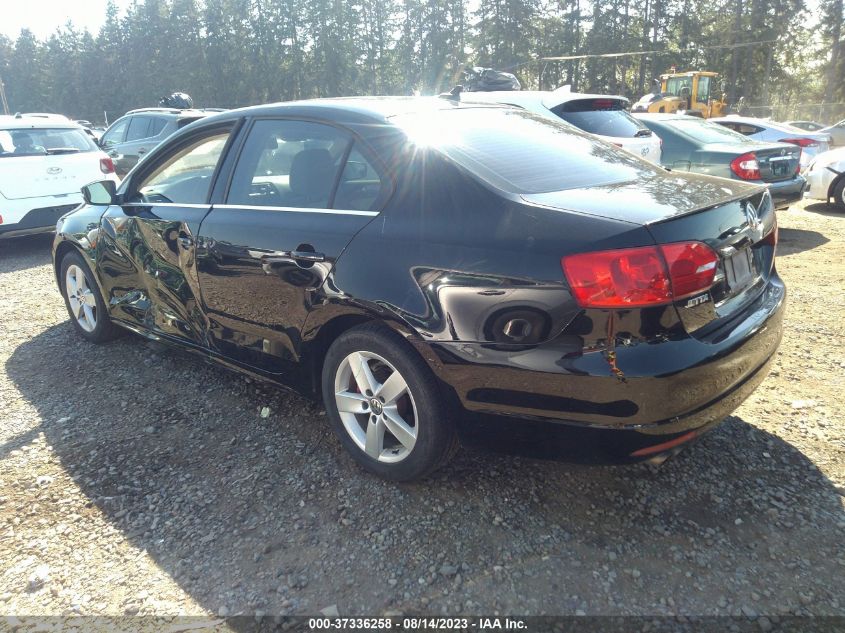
(820, 208)
(256, 514)
(792, 241)
(21, 253)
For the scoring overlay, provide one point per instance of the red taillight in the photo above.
(746, 166)
(1, 219)
(106, 165)
(692, 267)
(800, 142)
(640, 277)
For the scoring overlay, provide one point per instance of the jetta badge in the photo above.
(751, 216)
(54, 170)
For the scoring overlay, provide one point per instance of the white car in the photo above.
(601, 115)
(826, 178)
(43, 165)
(811, 143)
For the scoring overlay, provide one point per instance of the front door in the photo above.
(147, 248)
(299, 193)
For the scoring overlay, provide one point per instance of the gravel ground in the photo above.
(135, 479)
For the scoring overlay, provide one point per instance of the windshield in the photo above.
(525, 153)
(40, 141)
(706, 132)
(605, 117)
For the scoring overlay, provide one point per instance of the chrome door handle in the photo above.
(142, 151)
(308, 256)
(186, 242)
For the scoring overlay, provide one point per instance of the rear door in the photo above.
(147, 250)
(299, 192)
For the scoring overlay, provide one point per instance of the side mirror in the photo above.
(102, 192)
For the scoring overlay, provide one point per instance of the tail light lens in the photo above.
(640, 277)
(106, 165)
(800, 142)
(746, 166)
(771, 238)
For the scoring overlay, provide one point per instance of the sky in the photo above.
(43, 17)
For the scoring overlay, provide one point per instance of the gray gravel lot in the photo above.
(135, 479)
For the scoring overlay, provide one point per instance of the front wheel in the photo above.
(82, 299)
(385, 405)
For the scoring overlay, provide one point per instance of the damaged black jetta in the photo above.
(416, 263)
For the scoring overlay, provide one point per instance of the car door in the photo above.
(146, 254)
(299, 192)
(138, 141)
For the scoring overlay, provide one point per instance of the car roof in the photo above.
(663, 116)
(9, 122)
(186, 112)
(352, 109)
(548, 98)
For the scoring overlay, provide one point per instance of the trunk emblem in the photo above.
(751, 216)
(644, 151)
(54, 170)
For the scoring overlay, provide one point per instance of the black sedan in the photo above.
(691, 144)
(417, 263)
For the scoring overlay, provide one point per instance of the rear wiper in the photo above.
(642, 133)
(62, 150)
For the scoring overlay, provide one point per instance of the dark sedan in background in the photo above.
(692, 144)
(420, 262)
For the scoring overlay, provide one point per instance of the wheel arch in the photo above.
(831, 190)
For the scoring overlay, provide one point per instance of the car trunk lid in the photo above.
(778, 161)
(47, 175)
(734, 219)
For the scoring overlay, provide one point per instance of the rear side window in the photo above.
(605, 117)
(40, 141)
(186, 120)
(291, 164)
(156, 126)
(520, 152)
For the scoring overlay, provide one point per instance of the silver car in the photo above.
(811, 143)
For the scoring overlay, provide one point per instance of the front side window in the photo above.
(185, 176)
(40, 141)
(289, 164)
(115, 134)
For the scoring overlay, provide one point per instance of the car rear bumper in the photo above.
(653, 392)
(785, 192)
(20, 218)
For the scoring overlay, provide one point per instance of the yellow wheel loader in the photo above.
(685, 93)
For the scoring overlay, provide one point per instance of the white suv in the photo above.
(605, 116)
(44, 162)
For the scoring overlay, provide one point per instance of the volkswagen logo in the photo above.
(54, 170)
(751, 216)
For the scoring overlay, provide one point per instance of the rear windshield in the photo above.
(606, 117)
(521, 152)
(706, 132)
(41, 141)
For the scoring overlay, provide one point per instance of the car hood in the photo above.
(649, 199)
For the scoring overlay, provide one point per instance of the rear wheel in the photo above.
(82, 299)
(839, 195)
(385, 405)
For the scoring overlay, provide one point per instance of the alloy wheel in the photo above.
(81, 298)
(376, 406)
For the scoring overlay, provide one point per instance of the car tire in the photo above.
(839, 195)
(84, 304)
(385, 405)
